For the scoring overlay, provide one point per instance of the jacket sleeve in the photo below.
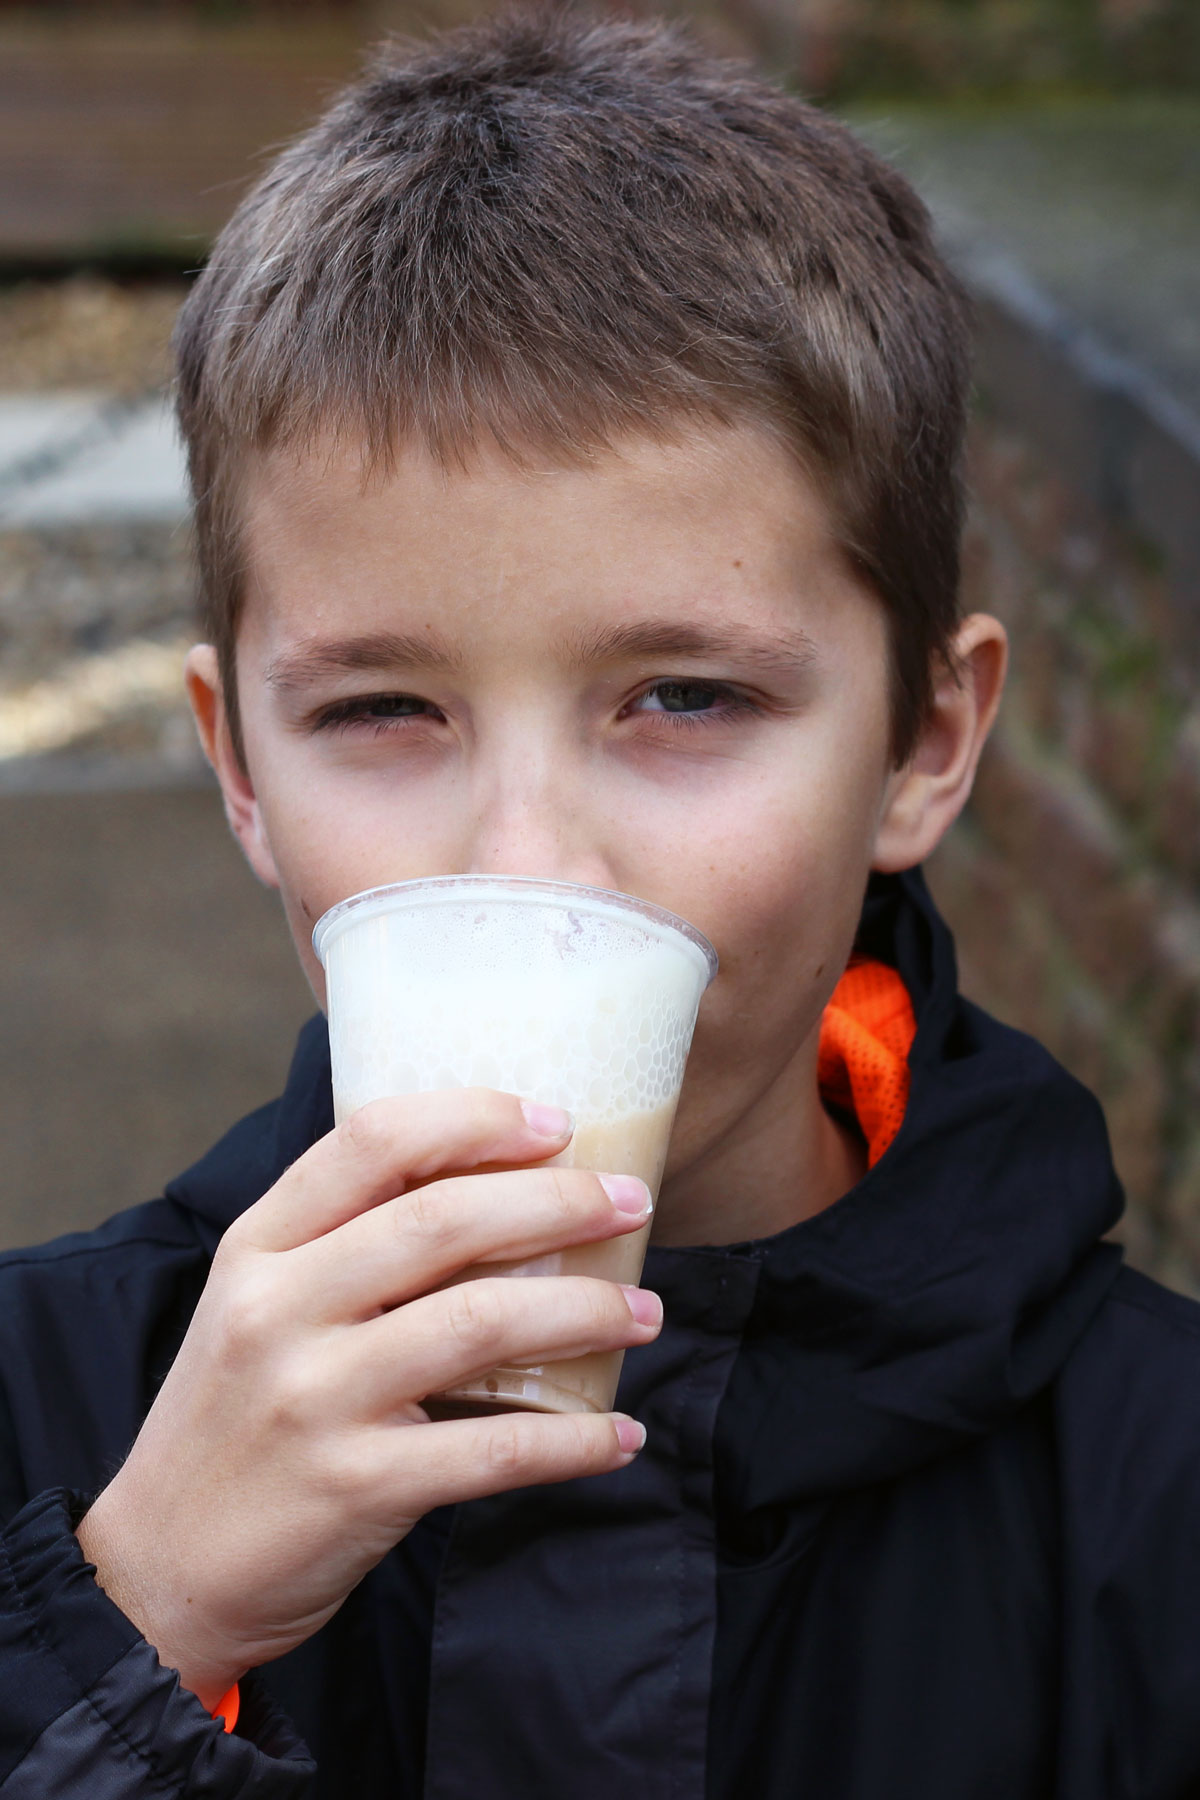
(1129, 1433)
(87, 1712)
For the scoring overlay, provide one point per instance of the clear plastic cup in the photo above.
(568, 995)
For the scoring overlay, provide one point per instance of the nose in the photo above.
(532, 814)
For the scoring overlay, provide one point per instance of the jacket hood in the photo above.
(925, 1307)
(945, 1290)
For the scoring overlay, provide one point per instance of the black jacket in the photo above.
(919, 1513)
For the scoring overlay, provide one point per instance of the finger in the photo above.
(410, 1245)
(421, 1467)
(381, 1150)
(447, 1338)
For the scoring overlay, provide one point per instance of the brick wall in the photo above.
(1072, 882)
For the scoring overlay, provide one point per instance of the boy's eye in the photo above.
(376, 708)
(392, 706)
(683, 698)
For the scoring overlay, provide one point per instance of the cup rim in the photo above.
(430, 889)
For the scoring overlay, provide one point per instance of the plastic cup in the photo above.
(569, 995)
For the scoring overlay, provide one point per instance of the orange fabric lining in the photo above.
(862, 1062)
(228, 1707)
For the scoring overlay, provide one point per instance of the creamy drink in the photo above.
(571, 996)
(636, 1145)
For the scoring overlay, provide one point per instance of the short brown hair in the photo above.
(553, 229)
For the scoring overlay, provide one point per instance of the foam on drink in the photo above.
(501, 996)
(566, 995)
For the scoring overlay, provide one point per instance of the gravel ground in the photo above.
(94, 618)
(86, 332)
(94, 622)
(86, 589)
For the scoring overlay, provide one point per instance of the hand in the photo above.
(287, 1451)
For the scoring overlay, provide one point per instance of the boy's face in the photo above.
(656, 674)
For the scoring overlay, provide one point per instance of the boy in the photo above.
(574, 424)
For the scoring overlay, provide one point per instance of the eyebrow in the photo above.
(783, 653)
(378, 650)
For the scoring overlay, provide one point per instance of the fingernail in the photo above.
(547, 1121)
(630, 1435)
(646, 1307)
(628, 1195)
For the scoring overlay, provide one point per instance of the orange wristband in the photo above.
(227, 1708)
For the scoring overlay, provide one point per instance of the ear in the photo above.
(202, 674)
(925, 797)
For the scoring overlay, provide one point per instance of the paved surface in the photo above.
(1097, 202)
(72, 458)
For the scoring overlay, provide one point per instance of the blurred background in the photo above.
(148, 993)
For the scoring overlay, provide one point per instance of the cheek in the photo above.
(781, 903)
(320, 844)
(785, 917)
(332, 838)
(783, 863)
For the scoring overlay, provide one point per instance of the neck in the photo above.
(783, 1160)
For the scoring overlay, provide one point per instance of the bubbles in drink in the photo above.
(596, 1018)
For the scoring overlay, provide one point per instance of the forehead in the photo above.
(722, 520)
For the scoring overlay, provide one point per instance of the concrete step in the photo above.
(149, 996)
(69, 458)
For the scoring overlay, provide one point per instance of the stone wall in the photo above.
(1072, 883)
